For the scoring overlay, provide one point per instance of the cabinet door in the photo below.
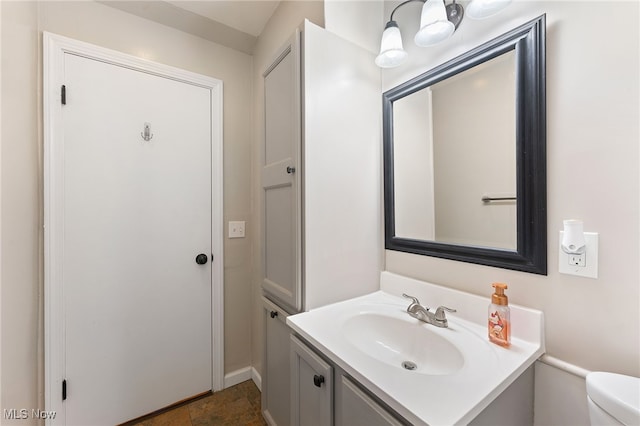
(354, 407)
(281, 214)
(311, 387)
(276, 372)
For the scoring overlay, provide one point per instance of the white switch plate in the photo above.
(236, 229)
(569, 264)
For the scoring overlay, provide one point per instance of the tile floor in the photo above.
(237, 405)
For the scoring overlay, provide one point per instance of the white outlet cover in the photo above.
(590, 270)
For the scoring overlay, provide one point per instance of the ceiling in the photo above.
(232, 23)
(244, 15)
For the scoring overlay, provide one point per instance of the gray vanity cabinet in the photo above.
(355, 407)
(311, 387)
(276, 406)
(317, 399)
(337, 399)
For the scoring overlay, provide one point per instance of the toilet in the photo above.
(613, 399)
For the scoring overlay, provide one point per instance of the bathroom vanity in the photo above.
(344, 362)
(366, 357)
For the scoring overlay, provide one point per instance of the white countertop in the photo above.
(424, 398)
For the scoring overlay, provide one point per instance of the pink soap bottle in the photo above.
(499, 316)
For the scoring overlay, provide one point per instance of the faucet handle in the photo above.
(415, 299)
(440, 315)
(415, 305)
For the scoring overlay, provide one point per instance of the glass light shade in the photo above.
(391, 52)
(480, 9)
(434, 25)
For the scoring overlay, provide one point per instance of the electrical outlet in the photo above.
(236, 229)
(582, 265)
(578, 260)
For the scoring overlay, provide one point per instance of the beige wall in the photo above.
(413, 177)
(21, 168)
(592, 161)
(21, 210)
(474, 131)
(357, 21)
(287, 17)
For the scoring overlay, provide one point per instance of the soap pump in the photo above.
(499, 316)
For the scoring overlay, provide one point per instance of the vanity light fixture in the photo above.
(438, 21)
(480, 9)
(391, 52)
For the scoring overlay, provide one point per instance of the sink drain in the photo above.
(408, 365)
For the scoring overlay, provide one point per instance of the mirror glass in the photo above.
(465, 156)
(465, 122)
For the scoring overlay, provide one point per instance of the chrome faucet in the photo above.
(416, 310)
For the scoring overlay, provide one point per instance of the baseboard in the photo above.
(257, 378)
(242, 375)
(238, 376)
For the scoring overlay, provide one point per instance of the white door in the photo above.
(281, 177)
(136, 214)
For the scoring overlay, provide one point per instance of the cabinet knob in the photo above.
(318, 380)
(273, 314)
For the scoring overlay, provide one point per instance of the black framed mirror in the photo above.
(471, 186)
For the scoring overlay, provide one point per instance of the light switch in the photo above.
(236, 229)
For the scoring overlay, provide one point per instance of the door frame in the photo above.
(54, 49)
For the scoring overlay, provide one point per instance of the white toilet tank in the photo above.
(614, 399)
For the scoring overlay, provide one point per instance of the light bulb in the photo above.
(480, 9)
(392, 53)
(434, 25)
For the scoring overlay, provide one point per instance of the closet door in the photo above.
(281, 213)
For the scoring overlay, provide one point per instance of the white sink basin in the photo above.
(403, 343)
(458, 371)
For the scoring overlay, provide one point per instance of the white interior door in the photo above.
(136, 214)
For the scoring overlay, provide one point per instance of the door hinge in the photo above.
(64, 389)
(63, 94)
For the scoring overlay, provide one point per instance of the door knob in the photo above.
(273, 314)
(201, 259)
(318, 380)
(291, 170)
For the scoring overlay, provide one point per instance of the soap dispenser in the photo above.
(499, 316)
